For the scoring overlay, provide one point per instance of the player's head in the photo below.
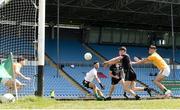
(152, 49)
(96, 64)
(21, 60)
(122, 50)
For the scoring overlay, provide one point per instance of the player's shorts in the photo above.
(130, 75)
(165, 71)
(115, 81)
(86, 84)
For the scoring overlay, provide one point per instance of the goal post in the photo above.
(41, 46)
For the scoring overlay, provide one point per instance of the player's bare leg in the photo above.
(93, 86)
(122, 83)
(135, 88)
(127, 84)
(100, 93)
(110, 92)
(158, 80)
(11, 86)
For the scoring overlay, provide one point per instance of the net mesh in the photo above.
(17, 35)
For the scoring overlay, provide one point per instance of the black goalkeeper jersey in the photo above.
(116, 69)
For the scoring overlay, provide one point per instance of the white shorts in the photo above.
(165, 72)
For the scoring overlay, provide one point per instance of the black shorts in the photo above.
(130, 75)
(86, 84)
(115, 81)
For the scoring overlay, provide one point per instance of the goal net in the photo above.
(18, 35)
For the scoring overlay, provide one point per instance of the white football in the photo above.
(88, 56)
(6, 98)
(4, 2)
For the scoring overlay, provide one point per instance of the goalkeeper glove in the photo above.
(102, 87)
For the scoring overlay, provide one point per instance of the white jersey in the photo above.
(91, 75)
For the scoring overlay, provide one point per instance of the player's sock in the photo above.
(164, 91)
(137, 97)
(108, 98)
(102, 97)
(125, 95)
(148, 90)
(96, 95)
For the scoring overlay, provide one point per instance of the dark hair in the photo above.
(123, 48)
(20, 59)
(152, 47)
(95, 62)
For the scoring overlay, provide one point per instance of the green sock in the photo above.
(102, 97)
(164, 91)
(96, 95)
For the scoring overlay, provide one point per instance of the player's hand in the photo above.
(105, 64)
(102, 86)
(28, 78)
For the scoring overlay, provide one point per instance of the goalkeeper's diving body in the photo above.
(16, 69)
(164, 69)
(88, 82)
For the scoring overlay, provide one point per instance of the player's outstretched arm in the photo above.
(99, 81)
(24, 77)
(141, 61)
(113, 60)
(17, 72)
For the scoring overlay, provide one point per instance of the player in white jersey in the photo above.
(16, 69)
(88, 81)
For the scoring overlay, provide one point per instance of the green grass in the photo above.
(46, 103)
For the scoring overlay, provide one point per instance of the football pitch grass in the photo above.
(47, 103)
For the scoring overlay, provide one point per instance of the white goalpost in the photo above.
(41, 46)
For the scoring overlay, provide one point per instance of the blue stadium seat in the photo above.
(70, 51)
(62, 88)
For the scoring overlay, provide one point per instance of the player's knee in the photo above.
(93, 86)
(156, 81)
(126, 88)
(112, 87)
(19, 86)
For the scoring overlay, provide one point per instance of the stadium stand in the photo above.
(70, 50)
(62, 88)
